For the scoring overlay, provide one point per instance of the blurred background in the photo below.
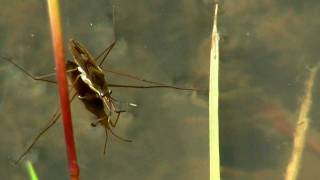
(267, 51)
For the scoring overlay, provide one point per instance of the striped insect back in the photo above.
(92, 101)
(90, 72)
(93, 76)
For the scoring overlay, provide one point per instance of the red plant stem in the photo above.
(55, 24)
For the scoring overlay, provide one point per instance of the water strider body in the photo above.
(88, 80)
(91, 74)
(92, 101)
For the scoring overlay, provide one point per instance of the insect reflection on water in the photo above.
(91, 88)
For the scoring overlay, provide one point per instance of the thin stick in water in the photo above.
(55, 24)
(301, 129)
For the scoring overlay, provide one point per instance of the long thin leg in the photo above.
(130, 76)
(105, 53)
(114, 109)
(109, 48)
(114, 124)
(105, 142)
(107, 103)
(109, 129)
(121, 138)
(52, 121)
(157, 86)
(37, 78)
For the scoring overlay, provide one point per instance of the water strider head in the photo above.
(80, 54)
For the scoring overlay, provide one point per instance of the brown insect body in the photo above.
(91, 100)
(82, 89)
(90, 72)
(93, 75)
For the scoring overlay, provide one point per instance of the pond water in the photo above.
(267, 51)
(162, 41)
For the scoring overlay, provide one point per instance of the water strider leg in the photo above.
(148, 87)
(157, 84)
(106, 141)
(109, 48)
(114, 124)
(36, 78)
(130, 76)
(108, 128)
(98, 121)
(105, 53)
(52, 121)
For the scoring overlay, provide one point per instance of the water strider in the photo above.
(88, 80)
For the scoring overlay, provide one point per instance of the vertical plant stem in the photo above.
(214, 102)
(55, 24)
(301, 129)
(32, 173)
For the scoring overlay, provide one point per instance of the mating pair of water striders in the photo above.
(88, 80)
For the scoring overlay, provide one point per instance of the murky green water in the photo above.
(162, 40)
(267, 50)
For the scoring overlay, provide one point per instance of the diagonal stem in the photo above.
(57, 40)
